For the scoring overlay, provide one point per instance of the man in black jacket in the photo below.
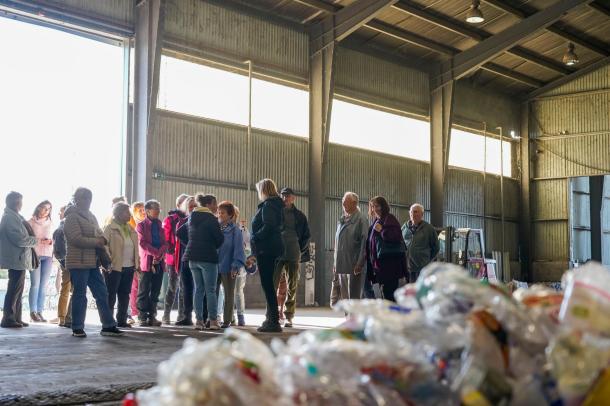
(295, 236)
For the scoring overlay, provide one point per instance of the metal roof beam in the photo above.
(341, 24)
(601, 8)
(425, 43)
(566, 79)
(479, 35)
(556, 29)
(321, 5)
(473, 58)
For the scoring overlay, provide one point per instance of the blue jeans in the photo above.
(205, 276)
(81, 278)
(39, 278)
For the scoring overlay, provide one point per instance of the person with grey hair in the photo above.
(123, 247)
(350, 243)
(421, 240)
(85, 247)
(172, 261)
(17, 255)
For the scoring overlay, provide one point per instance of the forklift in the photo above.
(466, 247)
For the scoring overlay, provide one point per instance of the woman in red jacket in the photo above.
(385, 251)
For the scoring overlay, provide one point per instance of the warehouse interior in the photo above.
(494, 115)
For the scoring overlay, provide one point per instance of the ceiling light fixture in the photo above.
(570, 58)
(475, 15)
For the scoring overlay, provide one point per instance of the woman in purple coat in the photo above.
(385, 252)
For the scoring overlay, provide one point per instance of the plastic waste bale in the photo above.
(543, 304)
(342, 366)
(235, 369)
(586, 304)
(447, 292)
(577, 360)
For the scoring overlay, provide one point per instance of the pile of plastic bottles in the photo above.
(449, 340)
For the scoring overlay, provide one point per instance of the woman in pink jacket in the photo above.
(43, 230)
(152, 263)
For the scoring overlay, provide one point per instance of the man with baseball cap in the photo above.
(295, 236)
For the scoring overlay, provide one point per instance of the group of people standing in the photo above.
(201, 245)
(377, 251)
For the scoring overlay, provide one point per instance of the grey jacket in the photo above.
(350, 242)
(15, 242)
(422, 246)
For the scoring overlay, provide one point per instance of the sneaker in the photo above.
(111, 332)
(199, 325)
(124, 325)
(56, 320)
(41, 317)
(24, 324)
(214, 325)
(66, 325)
(282, 321)
(207, 324)
(154, 322)
(143, 322)
(130, 320)
(225, 325)
(80, 333)
(34, 317)
(240, 320)
(288, 323)
(185, 322)
(268, 327)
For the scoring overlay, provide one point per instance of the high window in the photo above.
(199, 90)
(468, 151)
(362, 127)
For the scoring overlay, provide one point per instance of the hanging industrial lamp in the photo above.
(475, 15)
(570, 58)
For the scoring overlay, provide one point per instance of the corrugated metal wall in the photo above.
(473, 106)
(571, 132)
(213, 28)
(121, 11)
(366, 77)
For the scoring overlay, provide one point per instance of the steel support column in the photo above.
(441, 117)
(321, 84)
(147, 50)
(525, 228)
(596, 193)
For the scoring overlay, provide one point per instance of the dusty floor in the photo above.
(44, 364)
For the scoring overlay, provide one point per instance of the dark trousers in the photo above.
(205, 300)
(388, 288)
(12, 300)
(148, 292)
(185, 294)
(170, 294)
(119, 287)
(367, 290)
(266, 269)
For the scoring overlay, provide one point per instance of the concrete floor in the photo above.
(44, 364)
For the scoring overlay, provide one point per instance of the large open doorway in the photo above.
(590, 219)
(62, 107)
